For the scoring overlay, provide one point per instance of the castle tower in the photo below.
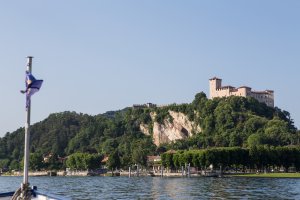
(214, 84)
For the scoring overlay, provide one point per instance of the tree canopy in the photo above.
(225, 122)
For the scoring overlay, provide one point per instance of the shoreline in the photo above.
(165, 174)
(268, 175)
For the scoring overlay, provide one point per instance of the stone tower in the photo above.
(214, 84)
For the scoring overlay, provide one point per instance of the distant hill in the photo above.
(133, 133)
(220, 122)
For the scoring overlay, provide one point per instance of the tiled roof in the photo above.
(227, 86)
(263, 92)
(245, 87)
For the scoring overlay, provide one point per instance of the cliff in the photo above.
(180, 127)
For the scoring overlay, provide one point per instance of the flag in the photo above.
(32, 86)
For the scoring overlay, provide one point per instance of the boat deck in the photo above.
(39, 196)
(5, 198)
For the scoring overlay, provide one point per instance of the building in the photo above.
(154, 163)
(217, 90)
(146, 105)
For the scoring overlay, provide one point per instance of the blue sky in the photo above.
(96, 56)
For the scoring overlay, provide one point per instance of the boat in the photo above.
(35, 195)
(25, 192)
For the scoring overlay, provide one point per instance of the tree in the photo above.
(71, 162)
(232, 121)
(139, 156)
(93, 161)
(113, 160)
(141, 148)
(254, 124)
(109, 146)
(255, 140)
(36, 161)
(53, 163)
(14, 165)
(167, 160)
(84, 161)
(4, 163)
(199, 101)
(277, 132)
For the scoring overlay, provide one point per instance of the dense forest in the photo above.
(225, 122)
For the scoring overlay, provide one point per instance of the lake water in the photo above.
(161, 188)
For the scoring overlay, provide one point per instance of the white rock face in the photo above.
(145, 129)
(180, 128)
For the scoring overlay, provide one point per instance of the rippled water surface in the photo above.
(161, 188)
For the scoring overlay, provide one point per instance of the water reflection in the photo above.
(161, 188)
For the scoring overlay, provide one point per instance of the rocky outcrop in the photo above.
(145, 129)
(179, 128)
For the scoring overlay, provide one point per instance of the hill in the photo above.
(134, 133)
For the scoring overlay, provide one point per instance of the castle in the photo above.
(217, 90)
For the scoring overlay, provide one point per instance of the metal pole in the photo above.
(27, 130)
(189, 170)
(129, 172)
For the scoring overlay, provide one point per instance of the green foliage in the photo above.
(225, 122)
(140, 149)
(255, 140)
(53, 163)
(259, 157)
(14, 165)
(108, 146)
(167, 160)
(238, 121)
(162, 114)
(4, 163)
(84, 161)
(36, 161)
(68, 133)
(113, 160)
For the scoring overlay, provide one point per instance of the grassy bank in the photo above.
(270, 175)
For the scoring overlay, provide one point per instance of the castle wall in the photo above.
(242, 92)
(266, 97)
(216, 90)
(223, 92)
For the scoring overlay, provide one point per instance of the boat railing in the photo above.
(35, 195)
(41, 195)
(6, 194)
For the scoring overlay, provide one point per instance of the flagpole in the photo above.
(27, 133)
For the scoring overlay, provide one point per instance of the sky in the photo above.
(96, 56)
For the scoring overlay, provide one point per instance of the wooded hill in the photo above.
(225, 122)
